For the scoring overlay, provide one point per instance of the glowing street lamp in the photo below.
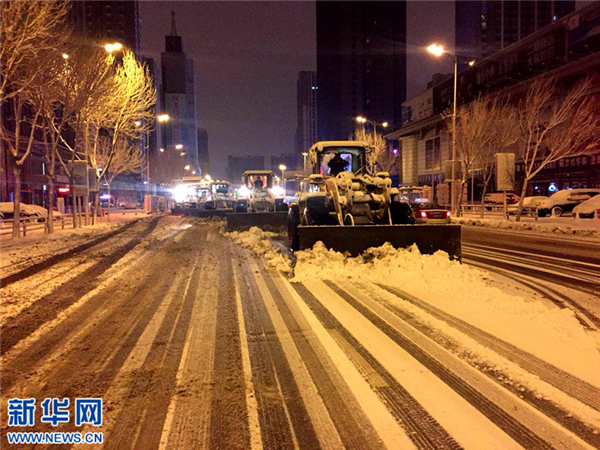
(282, 167)
(137, 123)
(187, 167)
(304, 155)
(384, 124)
(436, 50)
(162, 150)
(163, 118)
(179, 146)
(361, 119)
(65, 56)
(114, 47)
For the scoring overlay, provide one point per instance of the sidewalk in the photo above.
(556, 225)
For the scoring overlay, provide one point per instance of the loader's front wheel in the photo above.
(293, 222)
(401, 214)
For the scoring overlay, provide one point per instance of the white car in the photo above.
(565, 201)
(32, 212)
(497, 198)
(590, 209)
(530, 205)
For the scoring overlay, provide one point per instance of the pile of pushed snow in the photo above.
(259, 242)
(557, 228)
(553, 334)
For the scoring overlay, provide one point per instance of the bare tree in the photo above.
(30, 33)
(472, 135)
(28, 29)
(126, 156)
(483, 128)
(555, 124)
(379, 159)
(503, 125)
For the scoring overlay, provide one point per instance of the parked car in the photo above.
(530, 205)
(565, 201)
(590, 209)
(430, 213)
(34, 213)
(129, 204)
(497, 198)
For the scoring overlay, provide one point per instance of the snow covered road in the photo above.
(194, 342)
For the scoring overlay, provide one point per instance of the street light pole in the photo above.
(438, 51)
(304, 155)
(453, 192)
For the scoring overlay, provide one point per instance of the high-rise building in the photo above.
(179, 100)
(203, 158)
(361, 64)
(485, 27)
(108, 21)
(306, 130)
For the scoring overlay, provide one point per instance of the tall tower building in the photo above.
(361, 64)
(485, 27)
(203, 158)
(306, 130)
(108, 20)
(179, 100)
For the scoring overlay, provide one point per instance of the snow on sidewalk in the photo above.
(538, 327)
(555, 225)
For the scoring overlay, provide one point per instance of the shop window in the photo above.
(432, 153)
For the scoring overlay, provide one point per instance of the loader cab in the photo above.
(220, 187)
(258, 179)
(352, 152)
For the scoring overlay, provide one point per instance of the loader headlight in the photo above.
(182, 192)
(277, 191)
(243, 192)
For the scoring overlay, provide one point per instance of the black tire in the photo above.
(402, 214)
(557, 211)
(317, 212)
(293, 222)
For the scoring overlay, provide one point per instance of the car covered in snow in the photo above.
(497, 198)
(430, 213)
(530, 205)
(33, 213)
(590, 209)
(565, 201)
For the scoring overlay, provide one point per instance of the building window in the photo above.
(432, 153)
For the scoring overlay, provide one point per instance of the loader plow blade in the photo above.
(202, 213)
(268, 221)
(357, 239)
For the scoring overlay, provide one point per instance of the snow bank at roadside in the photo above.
(591, 229)
(259, 242)
(552, 334)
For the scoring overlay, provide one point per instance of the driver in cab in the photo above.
(337, 164)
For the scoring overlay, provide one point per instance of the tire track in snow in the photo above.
(53, 260)
(570, 384)
(506, 421)
(552, 410)
(420, 426)
(352, 428)
(284, 420)
(47, 308)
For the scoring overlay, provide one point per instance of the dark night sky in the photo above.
(247, 56)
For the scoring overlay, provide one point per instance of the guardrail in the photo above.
(32, 224)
